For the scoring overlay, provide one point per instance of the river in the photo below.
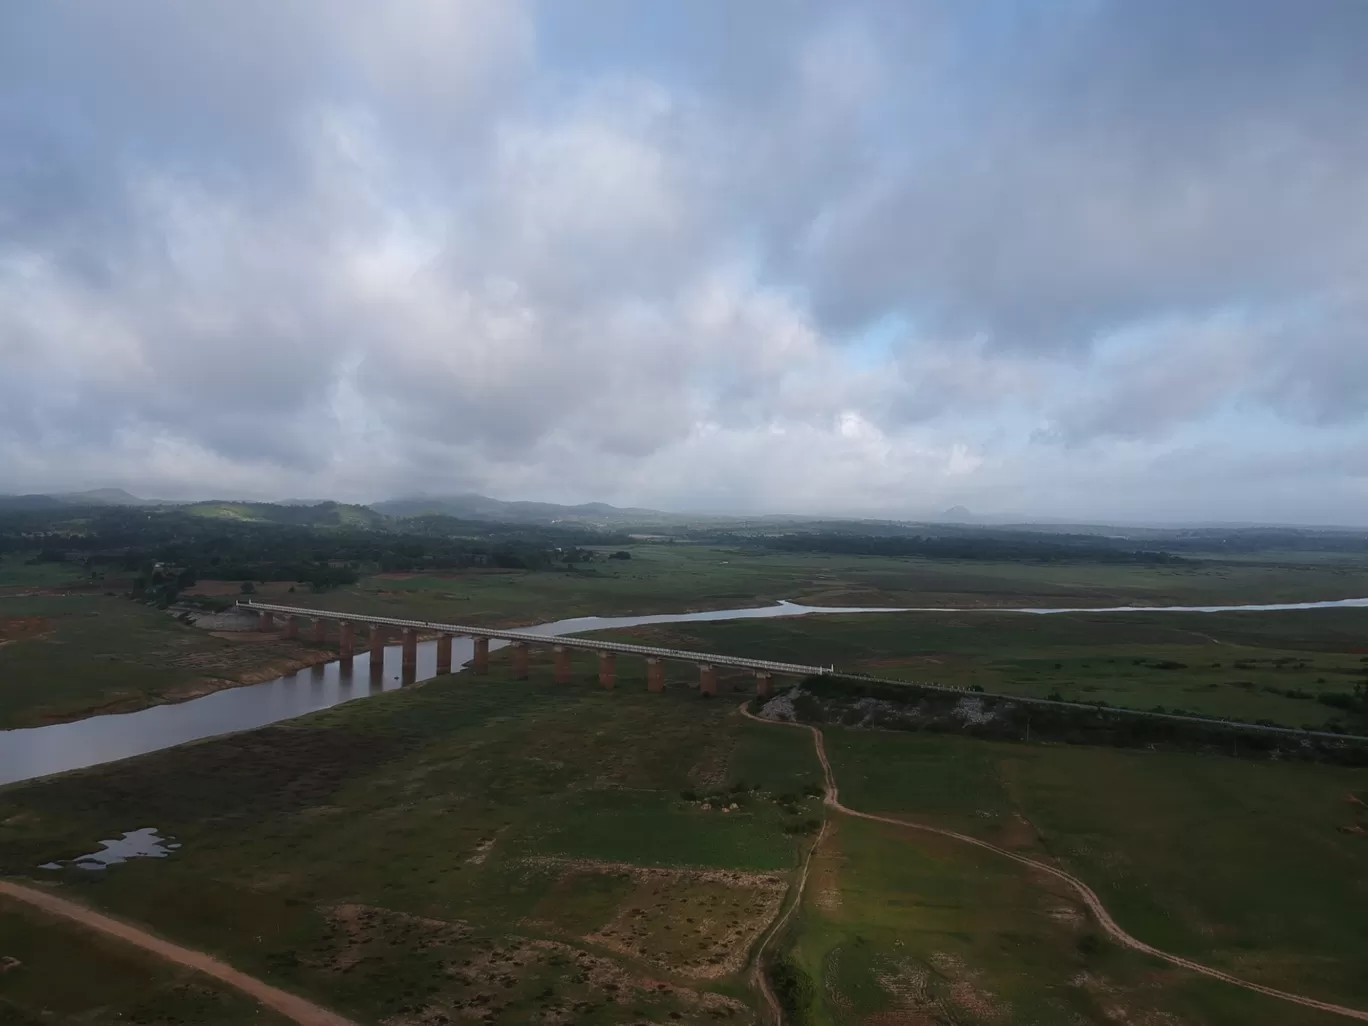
(38, 751)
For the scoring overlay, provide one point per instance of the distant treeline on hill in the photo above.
(1016, 548)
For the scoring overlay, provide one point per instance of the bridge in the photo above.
(378, 630)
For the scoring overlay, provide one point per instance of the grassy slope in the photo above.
(444, 801)
(1085, 657)
(1240, 865)
(67, 976)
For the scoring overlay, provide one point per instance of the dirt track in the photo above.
(291, 1005)
(1090, 898)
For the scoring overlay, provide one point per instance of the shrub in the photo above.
(793, 989)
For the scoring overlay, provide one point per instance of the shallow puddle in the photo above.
(134, 844)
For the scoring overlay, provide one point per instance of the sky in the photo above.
(1040, 258)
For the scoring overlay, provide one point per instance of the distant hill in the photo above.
(323, 514)
(481, 507)
(94, 497)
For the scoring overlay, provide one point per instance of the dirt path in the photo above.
(291, 1005)
(1090, 898)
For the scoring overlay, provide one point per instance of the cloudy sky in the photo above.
(1075, 258)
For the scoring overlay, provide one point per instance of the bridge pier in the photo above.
(764, 683)
(520, 653)
(410, 649)
(378, 636)
(265, 621)
(707, 679)
(346, 640)
(655, 673)
(608, 670)
(563, 673)
(292, 628)
(480, 664)
(320, 631)
(444, 654)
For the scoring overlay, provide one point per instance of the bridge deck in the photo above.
(528, 637)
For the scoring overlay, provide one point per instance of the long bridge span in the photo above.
(379, 627)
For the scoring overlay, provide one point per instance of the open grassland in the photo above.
(483, 849)
(18, 575)
(1247, 666)
(470, 849)
(56, 974)
(1253, 869)
(673, 578)
(67, 656)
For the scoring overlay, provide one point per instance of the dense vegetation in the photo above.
(324, 546)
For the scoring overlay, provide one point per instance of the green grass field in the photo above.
(467, 846)
(527, 850)
(66, 976)
(1237, 665)
(1252, 868)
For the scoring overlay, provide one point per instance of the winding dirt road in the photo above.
(1090, 898)
(290, 1005)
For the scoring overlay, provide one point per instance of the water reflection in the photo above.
(38, 751)
(134, 844)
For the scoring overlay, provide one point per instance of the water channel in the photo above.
(38, 751)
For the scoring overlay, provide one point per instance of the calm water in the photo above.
(38, 751)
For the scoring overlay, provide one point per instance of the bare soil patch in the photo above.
(453, 973)
(696, 923)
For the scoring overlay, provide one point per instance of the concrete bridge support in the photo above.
(764, 684)
(608, 670)
(444, 654)
(707, 679)
(320, 631)
(346, 640)
(520, 652)
(410, 650)
(480, 664)
(265, 621)
(655, 673)
(292, 627)
(378, 636)
(563, 673)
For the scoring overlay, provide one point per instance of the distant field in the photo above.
(1238, 665)
(670, 578)
(1255, 869)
